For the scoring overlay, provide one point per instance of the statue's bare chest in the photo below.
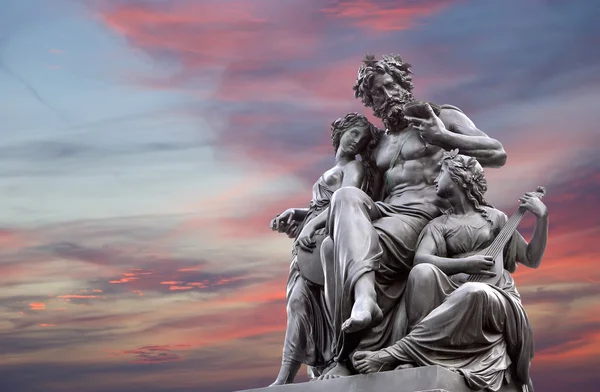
(396, 148)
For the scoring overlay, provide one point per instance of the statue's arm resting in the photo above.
(462, 133)
(426, 253)
(300, 213)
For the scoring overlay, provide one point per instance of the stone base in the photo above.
(420, 379)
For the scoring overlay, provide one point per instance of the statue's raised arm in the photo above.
(451, 129)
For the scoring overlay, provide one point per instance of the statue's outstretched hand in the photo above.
(431, 129)
(282, 222)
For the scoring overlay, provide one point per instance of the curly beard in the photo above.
(391, 111)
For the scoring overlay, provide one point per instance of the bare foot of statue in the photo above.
(406, 366)
(339, 370)
(374, 361)
(365, 313)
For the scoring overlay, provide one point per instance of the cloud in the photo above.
(202, 36)
(175, 302)
(81, 152)
(386, 16)
(154, 354)
(527, 62)
(37, 306)
(11, 239)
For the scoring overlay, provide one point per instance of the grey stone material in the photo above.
(420, 379)
(399, 261)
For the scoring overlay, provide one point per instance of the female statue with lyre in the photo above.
(462, 305)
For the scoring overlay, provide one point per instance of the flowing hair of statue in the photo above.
(468, 174)
(341, 125)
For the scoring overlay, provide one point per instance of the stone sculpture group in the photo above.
(399, 261)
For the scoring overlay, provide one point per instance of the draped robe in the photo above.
(480, 330)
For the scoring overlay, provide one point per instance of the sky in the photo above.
(145, 145)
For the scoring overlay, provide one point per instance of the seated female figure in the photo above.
(478, 329)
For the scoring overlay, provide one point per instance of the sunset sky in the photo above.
(146, 144)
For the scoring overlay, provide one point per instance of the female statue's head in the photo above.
(460, 173)
(354, 135)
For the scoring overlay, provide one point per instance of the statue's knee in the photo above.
(345, 195)
(472, 290)
(422, 274)
(327, 252)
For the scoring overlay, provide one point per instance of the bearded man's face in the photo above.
(388, 98)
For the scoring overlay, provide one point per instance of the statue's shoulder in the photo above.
(450, 107)
(443, 110)
(355, 165)
(440, 221)
(495, 215)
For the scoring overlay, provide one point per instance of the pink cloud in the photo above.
(286, 167)
(257, 222)
(180, 288)
(208, 35)
(11, 239)
(77, 296)
(375, 16)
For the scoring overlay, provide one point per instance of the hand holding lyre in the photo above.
(478, 265)
(533, 203)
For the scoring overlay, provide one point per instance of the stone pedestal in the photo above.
(421, 379)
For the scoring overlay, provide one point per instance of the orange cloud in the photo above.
(37, 306)
(122, 280)
(180, 288)
(585, 347)
(189, 269)
(568, 258)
